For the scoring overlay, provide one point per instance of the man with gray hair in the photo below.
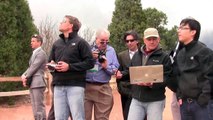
(98, 93)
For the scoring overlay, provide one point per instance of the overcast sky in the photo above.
(98, 13)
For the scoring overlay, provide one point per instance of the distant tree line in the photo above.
(16, 28)
(129, 15)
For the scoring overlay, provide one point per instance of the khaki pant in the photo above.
(99, 97)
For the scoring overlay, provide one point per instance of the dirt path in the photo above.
(24, 111)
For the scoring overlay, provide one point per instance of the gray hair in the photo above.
(100, 31)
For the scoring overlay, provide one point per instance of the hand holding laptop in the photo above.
(146, 84)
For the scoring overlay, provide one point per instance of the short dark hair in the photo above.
(76, 23)
(193, 25)
(38, 37)
(135, 35)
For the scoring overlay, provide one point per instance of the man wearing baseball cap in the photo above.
(149, 98)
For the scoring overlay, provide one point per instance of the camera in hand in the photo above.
(101, 53)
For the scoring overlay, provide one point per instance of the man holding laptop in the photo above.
(149, 94)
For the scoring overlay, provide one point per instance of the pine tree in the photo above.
(16, 28)
(128, 15)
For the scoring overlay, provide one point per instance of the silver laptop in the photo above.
(145, 74)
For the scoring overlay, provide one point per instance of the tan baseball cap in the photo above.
(151, 32)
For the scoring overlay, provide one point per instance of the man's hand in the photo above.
(145, 84)
(118, 74)
(95, 54)
(180, 101)
(24, 80)
(62, 66)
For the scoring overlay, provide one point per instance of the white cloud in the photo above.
(176, 10)
(92, 13)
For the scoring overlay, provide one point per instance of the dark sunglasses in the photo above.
(132, 40)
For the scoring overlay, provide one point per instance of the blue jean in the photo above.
(69, 99)
(191, 110)
(138, 110)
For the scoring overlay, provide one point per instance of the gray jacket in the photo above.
(36, 68)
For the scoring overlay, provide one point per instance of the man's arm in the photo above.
(39, 60)
(111, 64)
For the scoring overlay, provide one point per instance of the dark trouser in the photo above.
(126, 101)
(191, 110)
(51, 115)
(210, 109)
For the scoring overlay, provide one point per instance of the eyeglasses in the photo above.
(132, 40)
(183, 28)
(103, 41)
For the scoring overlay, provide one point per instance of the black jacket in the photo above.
(76, 52)
(195, 72)
(156, 92)
(123, 84)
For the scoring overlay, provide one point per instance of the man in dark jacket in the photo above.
(73, 58)
(149, 98)
(132, 39)
(194, 61)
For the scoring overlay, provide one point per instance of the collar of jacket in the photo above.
(157, 50)
(71, 35)
(190, 45)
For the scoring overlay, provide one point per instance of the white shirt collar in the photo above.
(35, 50)
(131, 53)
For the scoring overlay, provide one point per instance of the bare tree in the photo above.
(48, 30)
(88, 34)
